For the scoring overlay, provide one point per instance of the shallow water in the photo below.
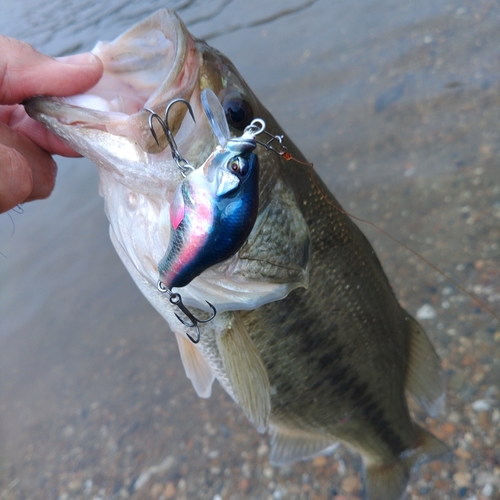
(398, 106)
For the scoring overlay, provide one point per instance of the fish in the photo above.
(309, 338)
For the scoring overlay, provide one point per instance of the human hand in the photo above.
(27, 169)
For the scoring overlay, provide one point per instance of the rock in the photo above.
(426, 312)
(351, 484)
(487, 490)
(484, 420)
(262, 450)
(156, 490)
(319, 461)
(461, 453)
(268, 472)
(244, 485)
(462, 479)
(481, 405)
(170, 491)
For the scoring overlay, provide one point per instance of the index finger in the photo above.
(25, 72)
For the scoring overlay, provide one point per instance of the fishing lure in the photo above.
(213, 209)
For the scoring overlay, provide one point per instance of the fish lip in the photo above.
(125, 62)
(40, 107)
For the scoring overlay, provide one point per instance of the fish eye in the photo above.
(239, 113)
(238, 166)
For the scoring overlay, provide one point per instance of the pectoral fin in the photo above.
(278, 248)
(197, 369)
(290, 445)
(246, 373)
(424, 378)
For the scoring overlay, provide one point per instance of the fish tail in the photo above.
(388, 481)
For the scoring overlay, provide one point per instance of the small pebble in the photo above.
(350, 484)
(268, 472)
(464, 454)
(156, 490)
(88, 486)
(341, 468)
(278, 495)
(481, 405)
(468, 360)
(426, 312)
(462, 479)
(244, 484)
(262, 450)
(74, 485)
(170, 491)
(484, 420)
(319, 461)
(478, 264)
(487, 490)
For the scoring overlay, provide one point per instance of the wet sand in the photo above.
(398, 107)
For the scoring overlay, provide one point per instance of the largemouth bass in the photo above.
(309, 338)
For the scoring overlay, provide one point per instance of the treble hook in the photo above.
(180, 161)
(176, 300)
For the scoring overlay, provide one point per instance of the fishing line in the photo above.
(287, 156)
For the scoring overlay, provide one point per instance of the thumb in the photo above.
(25, 72)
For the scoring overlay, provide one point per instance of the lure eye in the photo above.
(238, 166)
(239, 113)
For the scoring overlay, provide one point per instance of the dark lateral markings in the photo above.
(344, 383)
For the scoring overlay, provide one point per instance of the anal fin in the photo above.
(424, 378)
(196, 367)
(246, 373)
(290, 445)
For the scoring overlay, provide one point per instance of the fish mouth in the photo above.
(148, 66)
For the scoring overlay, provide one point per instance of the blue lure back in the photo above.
(212, 213)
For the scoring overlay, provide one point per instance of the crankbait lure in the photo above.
(213, 209)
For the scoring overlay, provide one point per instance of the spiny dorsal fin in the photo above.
(197, 369)
(424, 378)
(246, 373)
(288, 446)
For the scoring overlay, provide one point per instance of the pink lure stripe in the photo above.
(177, 209)
(199, 223)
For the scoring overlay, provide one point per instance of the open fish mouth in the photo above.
(148, 66)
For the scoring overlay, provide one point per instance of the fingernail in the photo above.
(86, 58)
